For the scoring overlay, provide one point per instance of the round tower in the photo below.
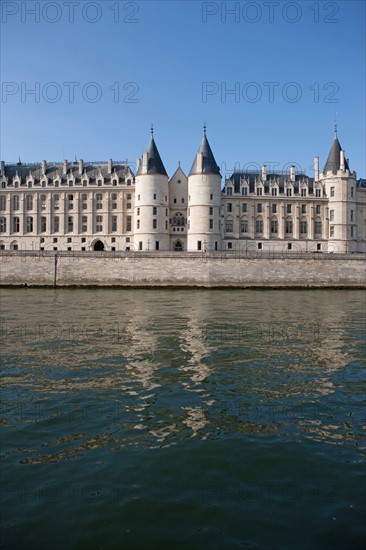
(151, 230)
(340, 186)
(204, 201)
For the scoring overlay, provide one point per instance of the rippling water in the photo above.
(183, 419)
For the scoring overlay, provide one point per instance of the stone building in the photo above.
(79, 206)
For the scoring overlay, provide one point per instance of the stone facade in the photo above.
(81, 206)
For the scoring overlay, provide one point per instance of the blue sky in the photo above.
(290, 66)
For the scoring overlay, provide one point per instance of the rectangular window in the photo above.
(244, 226)
(229, 207)
(303, 209)
(229, 191)
(211, 198)
(154, 196)
(211, 210)
(259, 208)
(138, 212)
(352, 229)
(16, 225)
(351, 215)
(288, 192)
(2, 225)
(244, 191)
(155, 211)
(29, 224)
(114, 223)
(259, 191)
(137, 224)
(70, 224)
(332, 191)
(43, 224)
(128, 223)
(317, 209)
(155, 224)
(199, 245)
(274, 192)
(140, 245)
(289, 208)
(303, 227)
(229, 226)
(274, 208)
(259, 226)
(2, 203)
(128, 206)
(211, 224)
(351, 192)
(56, 224)
(99, 224)
(318, 228)
(29, 202)
(274, 226)
(84, 224)
(331, 231)
(331, 215)
(156, 245)
(303, 192)
(318, 193)
(244, 207)
(288, 227)
(15, 202)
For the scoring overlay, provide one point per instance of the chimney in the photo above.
(264, 172)
(144, 163)
(292, 172)
(44, 166)
(341, 154)
(81, 166)
(316, 168)
(64, 168)
(3, 167)
(199, 162)
(110, 166)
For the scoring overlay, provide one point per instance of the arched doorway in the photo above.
(98, 246)
(178, 246)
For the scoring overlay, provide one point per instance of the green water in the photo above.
(183, 419)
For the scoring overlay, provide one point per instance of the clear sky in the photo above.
(103, 71)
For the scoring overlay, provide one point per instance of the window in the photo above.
(331, 215)
(244, 207)
(274, 227)
(318, 193)
(15, 202)
(259, 226)
(351, 192)
(244, 191)
(43, 224)
(288, 227)
(211, 210)
(128, 223)
(155, 224)
(137, 224)
(2, 203)
(114, 196)
(99, 205)
(2, 225)
(303, 227)
(229, 207)
(274, 191)
(16, 224)
(29, 224)
(317, 209)
(274, 208)
(259, 208)
(84, 197)
(289, 208)
(211, 198)
(128, 196)
(56, 204)
(99, 183)
(99, 224)
(138, 197)
(229, 226)
(178, 219)
(114, 205)
(303, 192)
(318, 227)
(244, 226)
(199, 245)
(99, 196)
(331, 231)
(156, 245)
(351, 215)
(288, 192)
(29, 202)
(114, 182)
(84, 206)
(154, 196)
(70, 223)
(84, 224)
(303, 209)
(140, 245)
(229, 191)
(259, 191)
(114, 223)
(183, 200)
(56, 224)
(211, 224)
(332, 191)
(229, 245)
(174, 200)
(155, 211)
(260, 246)
(128, 206)
(352, 229)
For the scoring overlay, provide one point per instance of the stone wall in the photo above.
(180, 270)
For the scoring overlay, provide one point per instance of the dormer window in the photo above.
(99, 183)
(229, 191)
(244, 191)
(288, 192)
(303, 192)
(274, 191)
(259, 191)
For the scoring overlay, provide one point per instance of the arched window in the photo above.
(178, 219)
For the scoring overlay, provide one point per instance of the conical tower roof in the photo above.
(333, 161)
(209, 165)
(154, 163)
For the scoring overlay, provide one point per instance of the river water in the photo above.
(183, 419)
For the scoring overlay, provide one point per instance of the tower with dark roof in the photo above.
(340, 188)
(151, 201)
(204, 200)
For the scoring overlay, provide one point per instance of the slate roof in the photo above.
(154, 163)
(280, 178)
(361, 183)
(333, 161)
(209, 165)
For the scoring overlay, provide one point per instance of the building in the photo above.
(79, 206)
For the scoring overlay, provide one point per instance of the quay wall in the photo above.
(182, 270)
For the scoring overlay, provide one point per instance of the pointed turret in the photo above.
(154, 164)
(333, 163)
(204, 162)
